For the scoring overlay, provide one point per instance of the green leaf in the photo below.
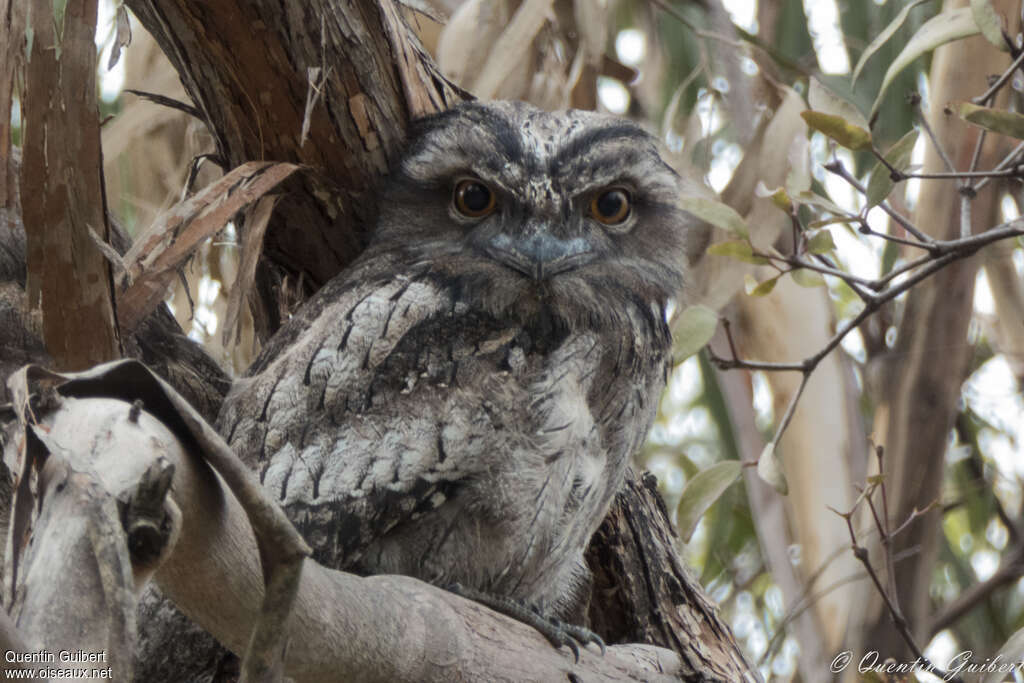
(898, 156)
(820, 243)
(817, 201)
(692, 331)
(739, 250)
(996, 120)
(826, 101)
(839, 129)
(883, 37)
(806, 277)
(770, 470)
(943, 28)
(990, 23)
(754, 288)
(718, 214)
(702, 491)
(779, 196)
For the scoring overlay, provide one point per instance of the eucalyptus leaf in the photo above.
(996, 120)
(770, 470)
(847, 134)
(826, 101)
(883, 37)
(805, 277)
(820, 242)
(718, 214)
(819, 202)
(739, 250)
(943, 28)
(898, 156)
(692, 331)
(702, 491)
(755, 288)
(990, 23)
(779, 196)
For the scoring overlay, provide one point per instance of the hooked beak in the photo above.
(540, 255)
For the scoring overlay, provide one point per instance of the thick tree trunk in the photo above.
(308, 82)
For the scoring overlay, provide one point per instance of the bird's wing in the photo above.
(369, 414)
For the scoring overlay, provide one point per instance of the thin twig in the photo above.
(900, 622)
(836, 167)
(732, 364)
(865, 229)
(791, 408)
(900, 270)
(962, 175)
(1010, 158)
(978, 144)
(931, 136)
(1000, 82)
(966, 195)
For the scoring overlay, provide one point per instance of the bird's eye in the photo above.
(473, 199)
(610, 206)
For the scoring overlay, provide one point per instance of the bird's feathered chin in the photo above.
(581, 299)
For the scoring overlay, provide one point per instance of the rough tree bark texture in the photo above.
(69, 278)
(353, 76)
(260, 73)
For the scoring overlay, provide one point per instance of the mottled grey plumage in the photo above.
(461, 404)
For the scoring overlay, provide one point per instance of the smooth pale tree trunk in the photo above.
(930, 360)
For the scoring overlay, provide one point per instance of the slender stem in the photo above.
(978, 144)
(849, 279)
(791, 408)
(961, 175)
(899, 270)
(900, 622)
(866, 230)
(836, 167)
(885, 162)
(727, 364)
(1000, 82)
(935, 141)
(1009, 159)
(966, 195)
(1013, 228)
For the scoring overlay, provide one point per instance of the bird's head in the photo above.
(568, 215)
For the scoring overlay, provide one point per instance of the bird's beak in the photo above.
(540, 255)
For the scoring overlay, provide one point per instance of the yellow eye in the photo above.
(473, 199)
(610, 206)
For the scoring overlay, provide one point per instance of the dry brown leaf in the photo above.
(251, 236)
(154, 258)
(122, 38)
